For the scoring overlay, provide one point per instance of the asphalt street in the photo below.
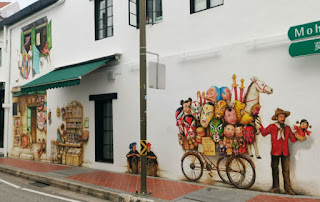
(13, 189)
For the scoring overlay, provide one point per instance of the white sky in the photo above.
(22, 3)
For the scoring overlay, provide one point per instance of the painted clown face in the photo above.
(239, 131)
(212, 94)
(206, 114)
(196, 109)
(189, 126)
(220, 109)
(230, 116)
(225, 93)
(248, 133)
(229, 131)
(179, 123)
(216, 129)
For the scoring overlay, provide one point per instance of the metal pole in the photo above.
(143, 92)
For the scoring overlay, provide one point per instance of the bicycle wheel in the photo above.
(192, 166)
(241, 172)
(222, 170)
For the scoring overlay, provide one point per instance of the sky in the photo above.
(22, 3)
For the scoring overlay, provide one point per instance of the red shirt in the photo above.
(279, 147)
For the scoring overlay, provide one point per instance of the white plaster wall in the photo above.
(294, 80)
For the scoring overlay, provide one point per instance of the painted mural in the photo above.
(30, 125)
(224, 123)
(36, 43)
(68, 146)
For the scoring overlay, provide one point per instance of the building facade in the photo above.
(70, 71)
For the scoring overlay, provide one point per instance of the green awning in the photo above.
(64, 76)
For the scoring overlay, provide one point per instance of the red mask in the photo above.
(179, 123)
(248, 134)
(189, 126)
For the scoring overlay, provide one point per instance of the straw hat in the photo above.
(280, 111)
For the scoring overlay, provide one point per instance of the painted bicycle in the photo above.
(237, 170)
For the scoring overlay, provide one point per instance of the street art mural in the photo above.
(68, 147)
(30, 125)
(36, 43)
(232, 123)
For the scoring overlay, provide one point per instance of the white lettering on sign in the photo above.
(309, 31)
(316, 45)
(297, 33)
(317, 28)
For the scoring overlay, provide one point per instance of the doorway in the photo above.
(32, 123)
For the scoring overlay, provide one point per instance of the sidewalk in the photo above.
(122, 187)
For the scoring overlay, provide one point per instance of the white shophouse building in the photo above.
(79, 62)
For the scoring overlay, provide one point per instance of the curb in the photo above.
(75, 187)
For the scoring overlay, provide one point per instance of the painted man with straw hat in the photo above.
(280, 134)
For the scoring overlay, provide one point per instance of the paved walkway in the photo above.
(121, 183)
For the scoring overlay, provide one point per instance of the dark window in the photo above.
(200, 5)
(103, 18)
(153, 12)
(104, 128)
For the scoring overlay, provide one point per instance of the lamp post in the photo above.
(143, 93)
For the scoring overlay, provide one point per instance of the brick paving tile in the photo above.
(32, 165)
(267, 198)
(160, 188)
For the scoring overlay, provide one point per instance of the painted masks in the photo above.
(179, 123)
(230, 116)
(196, 109)
(206, 114)
(239, 131)
(220, 109)
(248, 133)
(212, 94)
(229, 131)
(239, 106)
(186, 105)
(189, 126)
(225, 93)
(216, 129)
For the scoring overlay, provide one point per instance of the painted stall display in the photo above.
(30, 125)
(70, 135)
(36, 43)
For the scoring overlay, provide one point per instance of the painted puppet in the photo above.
(186, 104)
(235, 146)
(189, 127)
(179, 123)
(301, 131)
(225, 93)
(222, 148)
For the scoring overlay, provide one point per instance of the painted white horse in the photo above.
(251, 98)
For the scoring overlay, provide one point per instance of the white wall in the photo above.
(294, 80)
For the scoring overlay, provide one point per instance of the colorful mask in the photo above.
(239, 106)
(206, 114)
(248, 134)
(196, 109)
(179, 123)
(239, 131)
(225, 93)
(189, 126)
(229, 131)
(230, 116)
(212, 94)
(186, 106)
(216, 129)
(220, 109)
